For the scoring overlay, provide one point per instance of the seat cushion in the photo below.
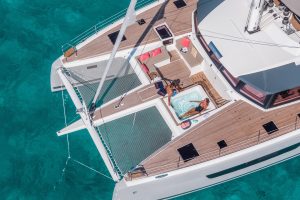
(145, 68)
(144, 57)
(155, 52)
(185, 42)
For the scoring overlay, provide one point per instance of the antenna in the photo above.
(128, 20)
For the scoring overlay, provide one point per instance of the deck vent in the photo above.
(113, 37)
(179, 3)
(188, 152)
(141, 21)
(270, 127)
(222, 144)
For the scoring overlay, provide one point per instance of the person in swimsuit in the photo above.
(170, 92)
(194, 111)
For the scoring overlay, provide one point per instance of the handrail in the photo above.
(233, 146)
(100, 26)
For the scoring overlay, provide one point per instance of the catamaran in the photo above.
(138, 81)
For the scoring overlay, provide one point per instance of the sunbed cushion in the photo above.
(155, 52)
(144, 57)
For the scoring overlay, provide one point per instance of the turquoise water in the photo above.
(32, 156)
(181, 104)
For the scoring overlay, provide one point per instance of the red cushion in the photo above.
(155, 52)
(144, 57)
(145, 68)
(185, 42)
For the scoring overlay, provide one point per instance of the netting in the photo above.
(120, 79)
(133, 138)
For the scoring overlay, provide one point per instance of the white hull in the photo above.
(191, 179)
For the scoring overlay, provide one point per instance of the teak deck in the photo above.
(239, 124)
(178, 20)
(176, 69)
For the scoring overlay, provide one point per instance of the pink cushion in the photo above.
(185, 42)
(155, 52)
(145, 68)
(144, 57)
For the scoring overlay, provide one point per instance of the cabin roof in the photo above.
(223, 24)
(274, 80)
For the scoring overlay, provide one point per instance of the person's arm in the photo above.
(196, 101)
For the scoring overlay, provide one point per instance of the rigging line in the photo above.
(69, 153)
(151, 24)
(133, 123)
(83, 82)
(68, 142)
(238, 39)
(112, 18)
(65, 116)
(109, 42)
(90, 168)
(136, 64)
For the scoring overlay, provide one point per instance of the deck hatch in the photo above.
(188, 152)
(222, 144)
(179, 3)
(163, 32)
(270, 127)
(113, 37)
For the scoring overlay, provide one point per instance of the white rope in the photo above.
(69, 152)
(65, 117)
(133, 123)
(68, 143)
(90, 168)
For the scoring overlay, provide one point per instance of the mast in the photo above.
(128, 20)
(254, 17)
(82, 111)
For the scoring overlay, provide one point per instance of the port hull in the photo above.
(211, 173)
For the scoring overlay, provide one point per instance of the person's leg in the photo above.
(189, 113)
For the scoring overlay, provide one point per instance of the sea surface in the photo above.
(32, 157)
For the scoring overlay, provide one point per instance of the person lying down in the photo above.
(197, 110)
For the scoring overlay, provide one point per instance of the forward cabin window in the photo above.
(253, 93)
(234, 81)
(286, 96)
